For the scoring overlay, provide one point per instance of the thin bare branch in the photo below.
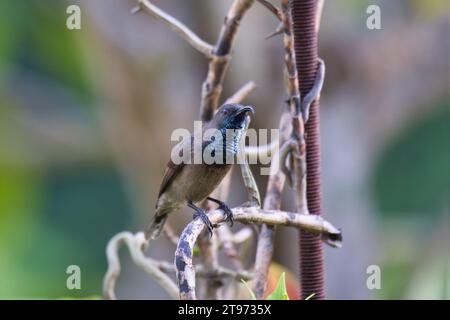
(291, 75)
(136, 244)
(242, 93)
(298, 157)
(272, 201)
(278, 30)
(272, 8)
(262, 150)
(293, 130)
(219, 273)
(212, 86)
(314, 93)
(212, 288)
(170, 234)
(288, 148)
(225, 235)
(292, 127)
(188, 238)
(297, 152)
(218, 65)
(178, 27)
(319, 11)
(226, 239)
(242, 235)
(210, 261)
(247, 175)
(211, 92)
(135, 9)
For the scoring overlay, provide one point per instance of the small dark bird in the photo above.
(187, 183)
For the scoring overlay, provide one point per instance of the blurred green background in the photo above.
(86, 117)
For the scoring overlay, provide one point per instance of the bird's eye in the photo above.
(225, 112)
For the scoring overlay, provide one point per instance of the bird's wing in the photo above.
(171, 172)
(173, 169)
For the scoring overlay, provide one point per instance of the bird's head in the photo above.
(231, 116)
(229, 125)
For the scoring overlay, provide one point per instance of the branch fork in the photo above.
(293, 151)
(184, 252)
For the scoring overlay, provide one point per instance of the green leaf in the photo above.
(252, 294)
(196, 251)
(280, 292)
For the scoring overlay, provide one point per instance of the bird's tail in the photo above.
(156, 226)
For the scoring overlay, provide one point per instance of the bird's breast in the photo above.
(231, 141)
(197, 181)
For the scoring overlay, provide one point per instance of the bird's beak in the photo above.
(244, 110)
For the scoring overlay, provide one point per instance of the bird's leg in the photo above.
(200, 213)
(226, 209)
(314, 93)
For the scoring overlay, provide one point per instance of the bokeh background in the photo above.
(86, 117)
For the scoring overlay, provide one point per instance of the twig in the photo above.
(208, 245)
(275, 185)
(314, 93)
(320, 4)
(291, 125)
(211, 266)
(219, 272)
(212, 87)
(218, 65)
(298, 157)
(170, 234)
(262, 150)
(156, 269)
(289, 147)
(272, 201)
(242, 235)
(278, 30)
(136, 243)
(208, 255)
(237, 258)
(183, 31)
(188, 238)
(291, 75)
(242, 93)
(247, 175)
(226, 239)
(210, 261)
(272, 8)
(278, 14)
(219, 56)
